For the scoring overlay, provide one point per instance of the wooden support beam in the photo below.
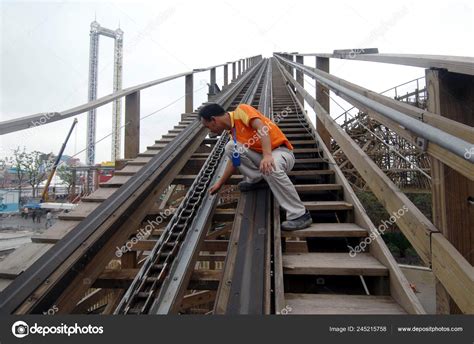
(451, 95)
(323, 98)
(89, 300)
(205, 279)
(197, 299)
(300, 78)
(189, 93)
(132, 125)
(226, 74)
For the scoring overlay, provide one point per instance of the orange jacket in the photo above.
(248, 136)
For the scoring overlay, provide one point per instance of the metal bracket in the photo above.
(422, 143)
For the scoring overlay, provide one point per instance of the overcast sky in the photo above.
(45, 52)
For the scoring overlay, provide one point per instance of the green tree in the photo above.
(17, 161)
(37, 166)
(65, 173)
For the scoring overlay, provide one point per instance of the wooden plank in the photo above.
(55, 233)
(205, 279)
(203, 257)
(328, 230)
(128, 170)
(309, 173)
(454, 272)
(310, 188)
(80, 212)
(99, 195)
(278, 260)
(115, 278)
(306, 150)
(139, 161)
(20, 259)
(341, 304)
(197, 299)
(223, 292)
(332, 264)
(224, 215)
(327, 205)
(115, 181)
(89, 300)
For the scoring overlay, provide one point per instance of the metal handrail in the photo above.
(443, 139)
(49, 117)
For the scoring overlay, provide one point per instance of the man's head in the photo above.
(213, 117)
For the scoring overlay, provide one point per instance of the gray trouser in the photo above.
(282, 188)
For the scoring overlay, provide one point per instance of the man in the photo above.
(49, 223)
(265, 154)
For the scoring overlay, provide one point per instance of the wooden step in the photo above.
(188, 179)
(21, 259)
(141, 161)
(299, 136)
(306, 150)
(303, 142)
(333, 264)
(115, 181)
(328, 230)
(128, 170)
(310, 188)
(80, 212)
(310, 172)
(293, 125)
(56, 232)
(327, 205)
(99, 195)
(309, 161)
(295, 130)
(341, 304)
(149, 153)
(156, 146)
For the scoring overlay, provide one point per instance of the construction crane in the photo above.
(44, 195)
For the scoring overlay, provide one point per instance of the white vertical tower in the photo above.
(117, 35)
(117, 105)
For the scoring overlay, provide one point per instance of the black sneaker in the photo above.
(301, 222)
(246, 186)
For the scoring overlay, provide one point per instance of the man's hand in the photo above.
(267, 165)
(215, 188)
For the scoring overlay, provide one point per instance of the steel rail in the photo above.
(146, 287)
(25, 284)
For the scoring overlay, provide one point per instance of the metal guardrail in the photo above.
(451, 143)
(49, 117)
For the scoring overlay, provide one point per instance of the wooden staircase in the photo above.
(316, 269)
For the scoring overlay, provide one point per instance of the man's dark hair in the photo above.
(211, 110)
